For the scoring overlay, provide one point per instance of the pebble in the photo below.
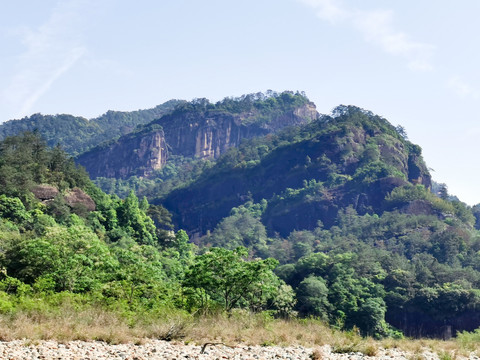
(156, 349)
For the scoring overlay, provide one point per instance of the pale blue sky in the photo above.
(413, 62)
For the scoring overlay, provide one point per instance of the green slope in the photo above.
(77, 134)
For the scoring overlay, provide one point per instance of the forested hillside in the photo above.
(329, 217)
(64, 241)
(344, 204)
(77, 134)
(305, 174)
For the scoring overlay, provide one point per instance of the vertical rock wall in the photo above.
(200, 135)
(134, 155)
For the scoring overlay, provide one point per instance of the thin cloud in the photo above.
(462, 88)
(73, 56)
(328, 10)
(51, 50)
(376, 27)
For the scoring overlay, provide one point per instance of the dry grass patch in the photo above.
(445, 349)
(258, 329)
(91, 323)
(318, 354)
(67, 321)
(83, 325)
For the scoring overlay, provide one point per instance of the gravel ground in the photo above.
(21, 349)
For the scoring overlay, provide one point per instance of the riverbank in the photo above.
(68, 330)
(157, 349)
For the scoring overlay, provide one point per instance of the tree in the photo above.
(371, 317)
(12, 209)
(74, 258)
(402, 132)
(140, 276)
(163, 223)
(134, 219)
(312, 294)
(443, 191)
(239, 229)
(226, 278)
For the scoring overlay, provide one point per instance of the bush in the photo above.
(469, 340)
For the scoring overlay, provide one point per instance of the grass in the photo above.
(90, 324)
(69, 319)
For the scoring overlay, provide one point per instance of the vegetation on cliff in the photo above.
(258, 108)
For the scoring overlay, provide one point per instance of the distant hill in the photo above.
(77, 134)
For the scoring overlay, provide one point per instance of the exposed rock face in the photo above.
(45, 192)
(418, 172)
(73, 197)
(202, 135)
(77, 197)
(137, 154)
(210, 134)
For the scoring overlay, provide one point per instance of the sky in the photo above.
(413, 62)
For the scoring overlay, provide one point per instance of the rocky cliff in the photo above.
(210, 134)
(136, 154)
(192, 131)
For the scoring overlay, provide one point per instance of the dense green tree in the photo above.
(163, 223)
(226, 278)
(13, 209)
(135, 220)
(242, 228)
(312, 294)
(371, 317)
(26, 161)
(74, 258)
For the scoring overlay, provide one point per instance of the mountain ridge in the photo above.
(76, 134)
(199, 130)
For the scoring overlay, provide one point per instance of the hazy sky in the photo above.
(413, 62)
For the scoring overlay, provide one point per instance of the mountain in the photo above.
(77, 134)
(306, 173)
(199, 130)
(343, 203)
